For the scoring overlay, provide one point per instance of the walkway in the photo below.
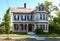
(35, 36)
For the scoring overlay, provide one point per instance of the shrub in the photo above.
(54, 29)
(38, 31)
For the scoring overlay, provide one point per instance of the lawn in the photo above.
(15, 36)
(49, 35)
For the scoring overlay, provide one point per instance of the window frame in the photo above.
(41, 16)
(23, 17)
(16, 17)
(16, 27)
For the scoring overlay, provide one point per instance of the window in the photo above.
(30, 17)
(23, 17)
(40, 26)
(16, 26)
(43, 16)
(37, 17)
(40, 16)
(46, 27)
(16, 17)
(43, 27)
(41, 8)
(21, 27)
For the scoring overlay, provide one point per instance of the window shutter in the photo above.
(25, 17)
(31, 17)
(14, 17)
(18, 17)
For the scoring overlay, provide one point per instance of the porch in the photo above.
(23, 27)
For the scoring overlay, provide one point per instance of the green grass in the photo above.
(15, 36)
(49, 35)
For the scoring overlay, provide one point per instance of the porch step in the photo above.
(31, 33)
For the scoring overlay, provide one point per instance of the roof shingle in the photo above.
(22, 10)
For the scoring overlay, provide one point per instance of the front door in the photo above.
(30, 27)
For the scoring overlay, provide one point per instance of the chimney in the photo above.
(24, 5)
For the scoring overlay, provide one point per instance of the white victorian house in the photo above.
(28, 19)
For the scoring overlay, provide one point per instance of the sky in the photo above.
(4, 4)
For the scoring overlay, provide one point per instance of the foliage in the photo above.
(7, 21)
(47, 4)
(50, 6)
(38, 31)
(55, 23)
(2, 28)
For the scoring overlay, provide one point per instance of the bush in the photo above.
(54, 29)
(39, 31)
(2, 30)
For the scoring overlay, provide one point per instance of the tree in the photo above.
(7, 20)
(55, 23)
(50, 6)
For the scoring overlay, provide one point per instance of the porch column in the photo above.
(24, 27)
(19, 27)
(27, 28)
(34, 27)
(13, 28)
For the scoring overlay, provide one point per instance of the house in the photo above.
(28, 19)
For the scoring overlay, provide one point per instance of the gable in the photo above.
(41, 8)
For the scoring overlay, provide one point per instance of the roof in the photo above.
(27, 10)
(23, 10)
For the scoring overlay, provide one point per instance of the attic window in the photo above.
(41, 8)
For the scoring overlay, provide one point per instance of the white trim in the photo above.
(42, 16)
(20, 17)
(45, 16)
